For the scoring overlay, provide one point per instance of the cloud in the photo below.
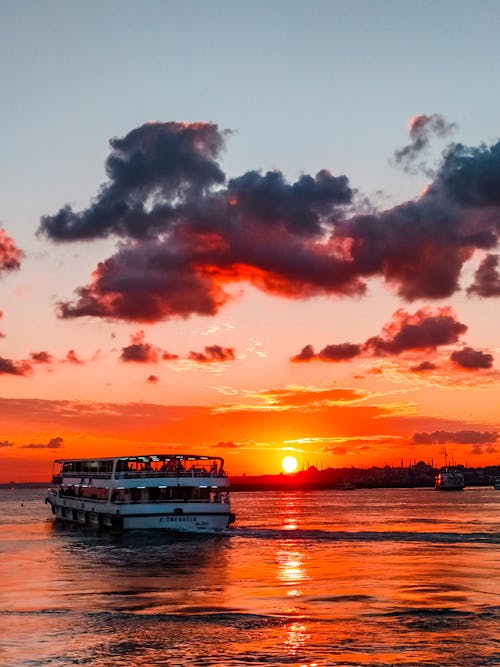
(478, 450)
(457, 437)
(227, 445)
(423, 330)
(167, 356)
(72, 358)
(152, 166)
(305, 397)
(152, 379)
(139, 351)
(187, 235)
(423, 367)
(341, 352)
(213, 353)
(335, 450)
(487, 278)
(306, 354)
(10, 254)
(10, 367)
(471, 359)
(6, 443)
(421, 129)
(41, 357)
(53, 443)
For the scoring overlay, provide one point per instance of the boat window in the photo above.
(92, 492)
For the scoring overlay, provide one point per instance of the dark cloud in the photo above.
(139, 351)
(10, 367)
(487, 278)
(227, 445)
(421, 129)
(10, 254)
(340, 352)
(152, 379)
(457, 437)
(213, 353)
(154, 165)
(6, 443)
(306, 354)
(470, 177)
(423, 367)
(53, 443)
(41, 358)
(471, 359)
(424, 330)
(300, 206)
(186, 236)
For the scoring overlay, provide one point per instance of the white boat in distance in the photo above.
(449, 480)
(180, 492)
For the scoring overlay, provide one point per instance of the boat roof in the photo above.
(151, 457)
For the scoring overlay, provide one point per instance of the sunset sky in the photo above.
(249, 229)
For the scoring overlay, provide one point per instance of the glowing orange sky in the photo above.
(186, 311)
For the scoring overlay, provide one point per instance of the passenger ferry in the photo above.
(181, 492)
(449, 480)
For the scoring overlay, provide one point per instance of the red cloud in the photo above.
(335, 450)
(72, 358)
(139, 351)
(167, 356)
(423, 367)
(227, 445)
(213, 353)
(10, 255)
(53, 443)
(424, 330)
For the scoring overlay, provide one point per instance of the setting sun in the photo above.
(289, 463)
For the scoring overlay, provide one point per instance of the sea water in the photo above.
(362, 577)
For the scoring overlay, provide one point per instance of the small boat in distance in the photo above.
(180, 492)
(449, 480)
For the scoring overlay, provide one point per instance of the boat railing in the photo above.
(169, 501)
(84, 477)
(131, 474)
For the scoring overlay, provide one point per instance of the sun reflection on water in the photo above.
(289, 512)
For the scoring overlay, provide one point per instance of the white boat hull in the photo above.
(182, 517)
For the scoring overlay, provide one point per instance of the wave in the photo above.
(366, 536)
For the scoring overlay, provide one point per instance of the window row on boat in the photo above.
(150, 494)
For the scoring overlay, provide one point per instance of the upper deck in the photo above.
(143, 467)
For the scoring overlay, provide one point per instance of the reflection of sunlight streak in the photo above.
(290, 557)
(289, 514)
(296, 637)
(291, 569)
